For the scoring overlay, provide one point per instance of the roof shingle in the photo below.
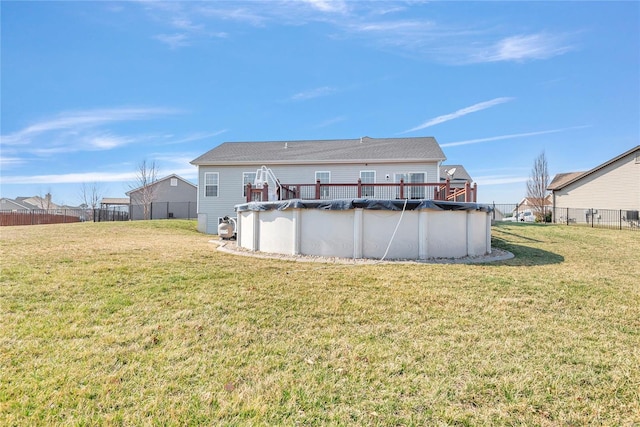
(324, 151)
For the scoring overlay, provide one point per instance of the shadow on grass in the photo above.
(501, 228)
(525, 255)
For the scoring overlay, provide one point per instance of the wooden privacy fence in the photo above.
(41, 216)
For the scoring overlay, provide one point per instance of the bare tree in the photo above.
(90, 195)
(537, 186)
(44, 201)
(145, 191)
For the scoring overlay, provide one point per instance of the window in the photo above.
(368, 177)
(174, 182)
(411, 192)
(247, 178)
(211, 181)
(324, 177)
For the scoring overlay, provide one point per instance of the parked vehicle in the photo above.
(524, 216)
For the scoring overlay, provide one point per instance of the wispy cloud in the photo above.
(74, 132)
(389, 26)
(523, 47)
(175, 40)
(330, 122)
(510, 136)
(332, 6)
(81, 120)
(70, 178)
(6, 162)
(313, 93)
(80, 177)
(460, 113)
(254, 16)
(193, 137)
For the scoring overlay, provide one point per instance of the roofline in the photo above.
(597, 168)
(21, 204)
(195, 162)
(361, 138)
(173, 175)
(319, 162)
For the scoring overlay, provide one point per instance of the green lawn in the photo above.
(145, 323)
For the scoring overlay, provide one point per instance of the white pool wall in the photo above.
(365, 233)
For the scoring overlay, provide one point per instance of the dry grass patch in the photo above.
(145, 323)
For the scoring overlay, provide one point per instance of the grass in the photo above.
(144, 323)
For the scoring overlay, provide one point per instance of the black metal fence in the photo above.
(601, 218)
(109, 214)
(591, 217)
(164, 210)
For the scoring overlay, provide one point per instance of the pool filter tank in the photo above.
(227, 228)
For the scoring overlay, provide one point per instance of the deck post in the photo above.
(475, 192)
(447, 188)
(401, 188)
(248, 192)
(317, 189)
(265, 192)
(359, 188)
(467, 191)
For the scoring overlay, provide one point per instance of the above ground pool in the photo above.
(366, 228)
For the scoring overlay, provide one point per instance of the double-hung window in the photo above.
(247, 178)
(368, 177)
(325, 178)
(211, 184)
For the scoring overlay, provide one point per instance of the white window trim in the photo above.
(173, 182)
(408, 182)
(216, 185)
(324, 192)
(371, 188)
(375, 175)
(327, 172)
(244, 184)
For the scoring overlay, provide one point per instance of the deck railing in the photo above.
(396, 190)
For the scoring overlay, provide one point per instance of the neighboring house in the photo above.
(38, 202)
(534, 205)
(457, 174)
(13, 205)
(171, 197)
(28, 203)
(224, 171)
(615, 184)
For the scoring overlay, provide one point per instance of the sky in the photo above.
(91, 89)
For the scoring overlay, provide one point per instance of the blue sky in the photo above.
(91, 89)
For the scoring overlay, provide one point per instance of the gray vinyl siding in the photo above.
(230, 183)
(183, 192)
(10, 205)
(177, 195)
(164, 192)
(616, 186)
